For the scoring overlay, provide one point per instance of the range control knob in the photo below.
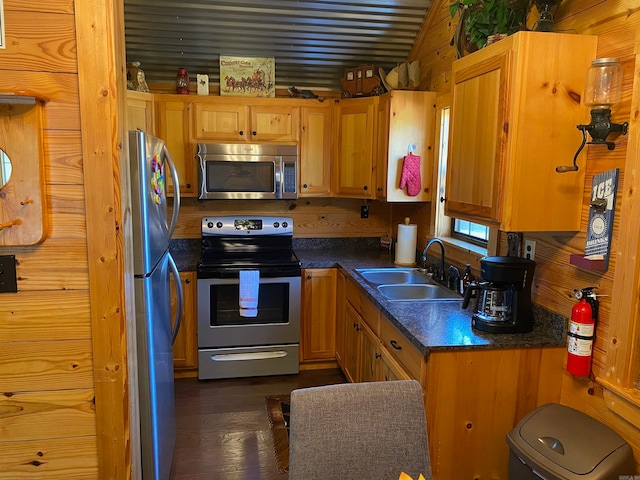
(276, 224)
(285, 224)
(210, 224)
(219, 224)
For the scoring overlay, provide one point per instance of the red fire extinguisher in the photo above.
(582, 327)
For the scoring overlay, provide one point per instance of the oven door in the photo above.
(221, 325)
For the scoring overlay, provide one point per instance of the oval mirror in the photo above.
(5, 168)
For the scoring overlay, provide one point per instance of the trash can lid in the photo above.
(570, 439)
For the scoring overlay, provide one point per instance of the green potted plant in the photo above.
(479, 19)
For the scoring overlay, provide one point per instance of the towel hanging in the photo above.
(410, 176)
(249, 289)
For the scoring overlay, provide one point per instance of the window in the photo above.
(470, 232)
(463, 230)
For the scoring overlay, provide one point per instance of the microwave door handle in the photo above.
(278, 172)
(176, 191)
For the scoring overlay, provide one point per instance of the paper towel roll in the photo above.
(406, 244)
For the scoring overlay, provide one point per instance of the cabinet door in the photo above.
(409, 128)
(185, 348)
(315, 152)
(274, 123)
(341, 318)
(370, 356)
(382, 146)
(477, 138)
(174, 127)
(355, 137)
(318, 329)
(353, 338)
(391, 369)
(140, 114)
(221, 122)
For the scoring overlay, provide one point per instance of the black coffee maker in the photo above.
(503, 296)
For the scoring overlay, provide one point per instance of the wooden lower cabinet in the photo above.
(352, 342)
(185, 348)
(318, 325)
(473, 397)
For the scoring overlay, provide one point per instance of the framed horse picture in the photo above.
(247, 76)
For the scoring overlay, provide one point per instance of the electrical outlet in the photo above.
(364, 211)
(530, 249)
(8, 281)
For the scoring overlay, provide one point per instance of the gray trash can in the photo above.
(555, 442)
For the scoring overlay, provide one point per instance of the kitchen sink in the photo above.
(406, 284)
(379, 276)
(417, 292)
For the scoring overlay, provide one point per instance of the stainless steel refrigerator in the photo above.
(150, 162)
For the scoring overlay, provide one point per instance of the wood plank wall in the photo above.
(47, 398)
(616, 23)
(312, 217)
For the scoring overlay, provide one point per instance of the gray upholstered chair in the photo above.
(358, 431)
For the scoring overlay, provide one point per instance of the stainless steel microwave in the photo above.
(248, 171)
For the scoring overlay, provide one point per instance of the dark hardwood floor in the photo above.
(222, 426)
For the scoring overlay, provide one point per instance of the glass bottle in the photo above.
(182, 82)
(604, 83)
(466, 279)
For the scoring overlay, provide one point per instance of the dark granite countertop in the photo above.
(430, 326)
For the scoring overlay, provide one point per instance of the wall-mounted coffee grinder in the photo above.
(503, 296)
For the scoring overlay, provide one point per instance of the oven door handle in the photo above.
(180, 298)
(232, 357)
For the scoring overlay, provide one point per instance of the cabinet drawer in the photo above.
(367, 310)
(401, 349)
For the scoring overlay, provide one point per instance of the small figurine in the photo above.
(295, 93)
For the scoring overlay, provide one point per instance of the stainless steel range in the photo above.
(232, 343)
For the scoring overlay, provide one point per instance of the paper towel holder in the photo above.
(406, 244)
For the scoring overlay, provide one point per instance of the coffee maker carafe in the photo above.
(503, 296)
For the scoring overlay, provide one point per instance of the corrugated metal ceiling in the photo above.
(312, 42)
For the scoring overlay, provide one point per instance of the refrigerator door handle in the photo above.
(176, 191)
(180, 298)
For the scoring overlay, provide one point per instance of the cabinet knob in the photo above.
(254, 133)
(379, 189)
(442, 199)
(188, 185)
(395, 345)
(188, 280)
(309, 277)
(366, 188)
(241, 132)
(378, 355)
(305, 186)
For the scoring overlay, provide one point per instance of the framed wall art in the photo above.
(247, 76)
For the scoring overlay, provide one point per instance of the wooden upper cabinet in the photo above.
(240, 121)
(515, 107)
(274, 123)
(140, 113)
(315, 152)
(173, 125)
(226, 122)
(355, 140)
(405, 118)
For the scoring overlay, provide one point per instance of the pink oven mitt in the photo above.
(411, 175)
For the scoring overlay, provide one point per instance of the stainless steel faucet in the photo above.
(424, 255)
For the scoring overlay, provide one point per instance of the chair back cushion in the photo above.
(358, 431)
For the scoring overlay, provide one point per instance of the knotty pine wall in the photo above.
(64, 409)
(47, 408)
(616, 22)
(312, 217)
